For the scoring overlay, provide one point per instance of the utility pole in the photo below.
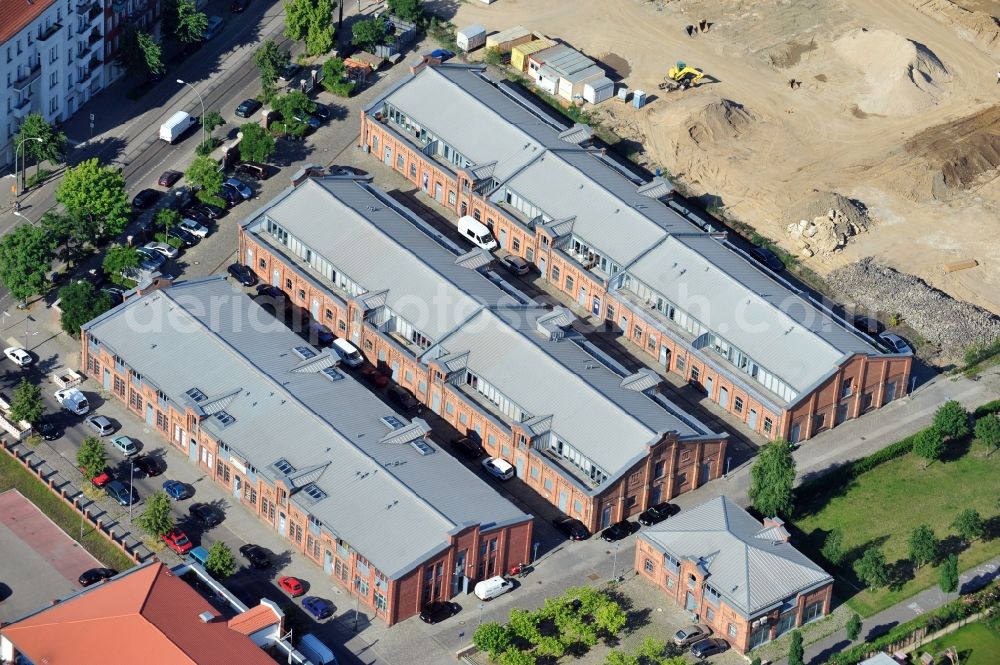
(201, 99)
(131, 479)
(614, 561)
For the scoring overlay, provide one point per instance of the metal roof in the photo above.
(753, 572)
(393, 503)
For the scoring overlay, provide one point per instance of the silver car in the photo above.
(690, 634)
(163, 249)
(100, 424)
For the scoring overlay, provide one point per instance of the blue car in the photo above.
(442, 53)
(318, 607)
(175, 489)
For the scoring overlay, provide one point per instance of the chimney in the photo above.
(781, 534)
(307, 171)
(206, 617)
(424, 60)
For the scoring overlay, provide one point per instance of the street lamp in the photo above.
(614, 561)
(19, 144)
(131, 479)
(204, 131)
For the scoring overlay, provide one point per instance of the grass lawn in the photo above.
(977, 644)
(15, 476)
(885, 504)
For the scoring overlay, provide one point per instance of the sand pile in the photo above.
(826, 221)
(720, 120)
(978, 27)
(901, 77)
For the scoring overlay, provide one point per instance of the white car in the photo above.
(895, 343)
(73, 400)
(19, 356)
(194, 227)
(495, 466)
(163, 249)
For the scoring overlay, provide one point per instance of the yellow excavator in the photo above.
(681, 77)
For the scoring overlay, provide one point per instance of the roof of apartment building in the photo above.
(385, 247)
(751, 565)
(364, 471)
(15, 15)
(146, 615)
(459, 104)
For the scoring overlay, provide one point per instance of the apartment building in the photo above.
(596, 441)
(740, 577)
(121, 16)
(53, 61)
(625, 252)
(351, 484)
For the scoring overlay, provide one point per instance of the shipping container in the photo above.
(597, 91)
(519, 54)
(505, 40)
(470, 37)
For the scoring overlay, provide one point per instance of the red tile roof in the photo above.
(253, 620)
(15, 14)
(149, 616)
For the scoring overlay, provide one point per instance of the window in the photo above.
(659, 469)
(451, 198)
(529, 253)
(569, 282)
(328, 314)
(545, 241)
(505, 452)
(381, 604)
(342, 326)
(680, 363)
(302, 294)
(738, 405)
(462, 418)
(847, 388)
(695, 374)
(534, 473)
(635, 478)
(368, 343)
(450, 408)
(577, 507)
(547, 484)
(768, 425)
(288, 284)
(262, 263)
(413, 170)
(361, 586)
(710, 614)
(648, 565)
(515, 245)
(670, 582)
(400, 161)
(555, 273)
(375, 143)
(637, 333)
(732, 630)
(476, 215)
(651, 343)
(812, 611)
(819, 420)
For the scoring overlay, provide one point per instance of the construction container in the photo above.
(623, 93)
(638, 99)
(470, 37)
(571, 83)
(519, 54)
(597, 91)
(505, 40)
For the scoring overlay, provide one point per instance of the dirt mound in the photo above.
(972, 25)
(961, 152)
(901, 77)
(789, 55)
(720, 120)
(826, 221)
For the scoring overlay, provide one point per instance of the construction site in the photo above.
(862, 138)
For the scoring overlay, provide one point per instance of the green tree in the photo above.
(25, 258)
(952, 420)
(988, 431)
(492, 638)
(139, 54)
(755, 660)
(294, 103)
(923, 545)
(190, 24)
(929, 445)
(212, 120)
(408, 10)
(948, 575)
(65, 229)
(514, 657)
(220, 562)
(257, 144)
(26, 403)
(80, 302)
(549, 645)
(167, 219)
(796, 652)
(52, 146)
(616, 657)
(367, 34)
(204, 172)
(524, 624)
(610, 618)
(771, 479)
(969, 525)
(120, 261)
(311, 21)
(334, 78)
(92, 456)
(270, 60)
(872, 569)
(95, 195)
(853, 627)
(156, 519)
(833, 547)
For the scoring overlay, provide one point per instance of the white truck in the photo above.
(176, 125)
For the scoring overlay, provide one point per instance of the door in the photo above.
(690, 604)
(395, 371)
(581, 296)
(541, 265)
(281, 523)
(107, 379)
(327, 562)
(890, 392)
(595, 306)
(388, 156)
(464, 209)
(752, 419)
(438, 192)
(503, 238)
(706, 473)
(276, 279)
(236, 486)
(724, 397)
(436, 403)
(654, 494)
(841, 414)
(793, 436)
(708, 386)
(563, 501)
(606, 517)
(665, 356)
(193, 451)
(519, 463)
(315, 309)
(149, 413)
(250, 258)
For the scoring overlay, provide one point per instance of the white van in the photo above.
(348, 352)
(477, 233)
(176, 125)
(493, 587)
(73, 400)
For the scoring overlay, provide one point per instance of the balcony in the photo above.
(27, 79)
(94, 63)
(83, 8)
(95, 37)
(82, 27)
(53, 29)
(83, 83)
(22, 108)
(95, 11)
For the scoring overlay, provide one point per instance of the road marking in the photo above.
(915, 608)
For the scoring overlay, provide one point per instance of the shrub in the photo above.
(853, 627)
(952, 420)
(492, 638)
(872, 569)
(833, 547)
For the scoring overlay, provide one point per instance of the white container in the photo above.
(470, 37)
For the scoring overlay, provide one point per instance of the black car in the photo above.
(145, 466)
(768, 258)
(208, 210)
(256, 556)
(402, 398)
(124, 493)
(189, 239)
(237, 7)
(469, 447)
(658, 513)
(709, 647)
(270, 291)
(247, 108)
(322, 112)
(289, 71)
(438, 611)
(191, 213)
(573, 528)
(95, 575)
(206, 515)
(617, 531)
(242, 274)
(117, 295)
(230, 195)
(48, 430)
(145, 198)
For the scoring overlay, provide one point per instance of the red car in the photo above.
(292, 585)
(177, 540)
(101, 479)
(168, 178)
(374, 377)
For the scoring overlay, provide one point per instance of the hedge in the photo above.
(985, 409)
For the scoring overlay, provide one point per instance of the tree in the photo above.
(92, 456)
(167, 219)
(52, 146)
(25, 258)
(549, 645)
(204, 172)
(871, 568)
(948, 576)
(988, 431)
(294, 103)
(139, 53)
(190, 24)
(65, 229)
(952, 420)
(513, 656)
(120, 261)
(969, 525)
(796, 653)
(524, 624)
(755, 660)
(257, 144)
(212, 120)
(270, 60)
(610, 618)
(312, 21)
(833, 547)
(923, 545)
(26, 403)
(334, 80)
(408, 10)
(96, 196)
(492, 638)
(156, 519)
(81, 302)
(929, 445)
(621, 658)
(853, 627)
(220, 562)
(367, 34)
(771, 479)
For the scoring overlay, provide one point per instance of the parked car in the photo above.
(289, 71)
(244, 190)
(125, 445)
(48, 430)
(247, 108)
(208, 210)
(322, 112)
(402, 398)
(238, 6)
(176, 490)
(146, 467)
(230, 196)
(311, 123)
(146, 198)
(177, 540)
(373, 377)
(168, 178)
(95, 575)
(73, 400)
(442, 54)
(123, 493)
(469, 447)
(208, 516)
(256, 556)
(215, 25)
(768, 258)
(492, 587)
(18, 356)
(617, 531)
(499, 468)
(438, 611)
(709, 647)
(253, 169)
(242, 274)
(117, 295)
(573, 528)
(867, 324)
(194, 227)
(895, 343)
(318, 607)
(292, 585)
(100, 424)
(658, 513)
(101, 479)
(163, 249)
(149, 259)
(691, 634)
(189, 239)
(269, 291)
(516, 264)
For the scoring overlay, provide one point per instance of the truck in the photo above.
(318, 653)
(176, 125)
